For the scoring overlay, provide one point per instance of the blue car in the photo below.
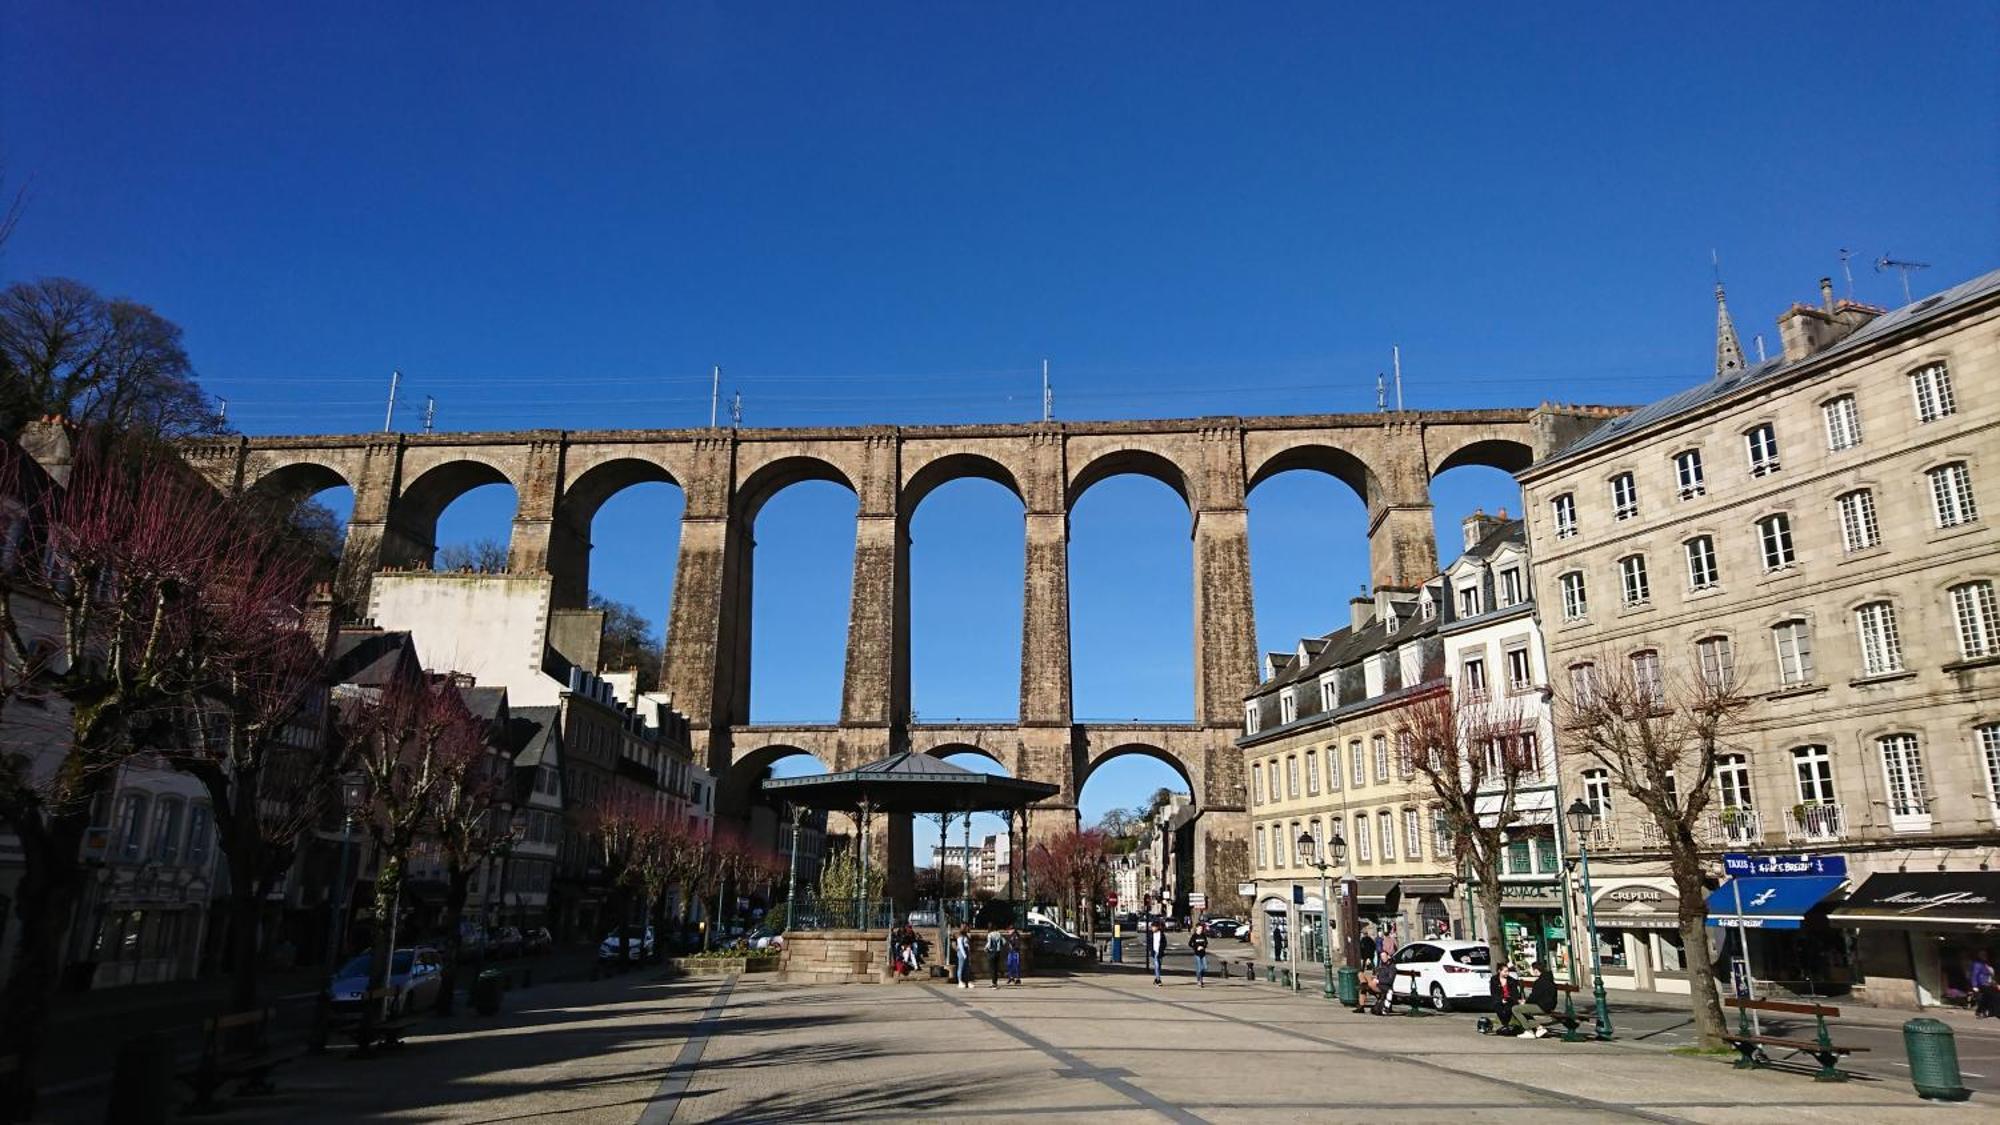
(415, 977)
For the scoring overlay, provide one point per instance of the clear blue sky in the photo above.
(891, 213)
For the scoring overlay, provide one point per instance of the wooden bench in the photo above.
(1821, 1047)
(1567, 1019)
(249, 1062)
(370, 1033)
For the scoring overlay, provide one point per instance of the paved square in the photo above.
(1105, 1046)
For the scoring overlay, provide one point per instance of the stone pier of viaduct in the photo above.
(402, 482)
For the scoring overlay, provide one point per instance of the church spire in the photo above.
(1728, 352)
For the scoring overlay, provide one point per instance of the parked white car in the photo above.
(638, 944)
(1445, 972)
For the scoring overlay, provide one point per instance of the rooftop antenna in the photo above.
(736, 410)
(1048, 395)
(1848, 270)
(1885, 262)
(1381, 392)
(389, 419)
(714, 394)
(1760, 347)
(430, 412)
(222, 410)
(1396, 355)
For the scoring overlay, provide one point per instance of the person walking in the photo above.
(961, 952)
(996, 953)
(1014, 955)
(1198, 945)
(1367, 945)
(1156, 948)
(1985, 996)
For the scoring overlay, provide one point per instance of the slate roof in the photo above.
(486, 702)
(1343, 647)
(533, 729)
(1513, 531)
(1733, 381)
(371, 657)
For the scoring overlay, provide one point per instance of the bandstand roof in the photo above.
(910, 783)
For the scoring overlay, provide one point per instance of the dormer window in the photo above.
(1390, 622)
(1468, 601)
(1288, 706)
(1511, 590)
(1250, 718)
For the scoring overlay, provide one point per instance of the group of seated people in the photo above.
(1541, 998)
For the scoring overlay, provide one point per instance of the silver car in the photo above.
(415, 978)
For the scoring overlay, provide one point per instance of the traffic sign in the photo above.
(1197, 900)
(1111, 899)
(1781, 866)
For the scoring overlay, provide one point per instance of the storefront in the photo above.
(1276, 928)
(1378, 902)
(1427, 908)
(1531, 918)
(1638, 937)
(1918, 931)
(1783, 923)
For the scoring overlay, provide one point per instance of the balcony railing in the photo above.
(1815, 823)
(1737, 827)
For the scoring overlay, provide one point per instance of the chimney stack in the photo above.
(1806, 331)
(1360, 612)
(1479, 525)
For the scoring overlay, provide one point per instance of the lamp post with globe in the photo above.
(1322, 861)
(1582, 818)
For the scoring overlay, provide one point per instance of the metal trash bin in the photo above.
(142, 1081)
(486, 990)
(1348, 986)
(1933, 1052)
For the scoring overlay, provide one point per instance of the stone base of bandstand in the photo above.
(835, 957)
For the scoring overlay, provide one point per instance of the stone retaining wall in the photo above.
(835, 957)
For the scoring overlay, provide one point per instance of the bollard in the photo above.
(1933, 1055)
(1117, 950)
(142, 1081)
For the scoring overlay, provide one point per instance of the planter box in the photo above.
(697, 966)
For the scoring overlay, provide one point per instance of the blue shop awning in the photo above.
(1769, 903)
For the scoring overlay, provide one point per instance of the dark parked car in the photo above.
(506, 942)
(538, 941)
(1048, 941)
(415, 978)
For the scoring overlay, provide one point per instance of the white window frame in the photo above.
(1812, 775)
(1288, 707)
(1563, 509)
(1597, 790)
(1413, 834)
(1250, 717)
(1379, 747)
(1843, 423)
(1358, 754)
(1512, 590)
(1312, 771)
(1291, 777)
(1906, 786)
(1583, 681)
(1774, 540)
(1575, 596)
(1930, 385)
(1257, 783)
(1987, 737)
(1472, 678)
(1702, 571)
(1333, 765)
(1859, 529)
(1520, 668)
(1715, 656)
(1329, 694)
(1761, 444)
(1952, 502)
(1624, 496)
(1362, 831)
(1792, 640)
(1688, 474)
(1646, 675)
(1974, 609)
(1260, 848)
(1385, 828)
(1881, 641)
(1634, 586)
(1732, 782)
(1468, 599)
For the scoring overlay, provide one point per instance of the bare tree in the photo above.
(1659, 741)
(1467, 755)
(107, 586)
(481, 556)
(402, 740)
(1075, 861)
(465, 815)
(67, 351)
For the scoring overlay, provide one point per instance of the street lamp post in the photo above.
(792, 876)
(1581, 819)
(352, 792)
(1322, 862)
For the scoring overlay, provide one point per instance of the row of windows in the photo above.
(1952, 505)
(1878, 633)
(180, 834)
(1279, 849)
(1898, 755)
(1274, 784)
(1931, 394)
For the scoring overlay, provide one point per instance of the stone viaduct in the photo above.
(402, 482)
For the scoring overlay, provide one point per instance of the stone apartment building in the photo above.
(1818, 530)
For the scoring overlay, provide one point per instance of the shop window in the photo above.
(1519, 857)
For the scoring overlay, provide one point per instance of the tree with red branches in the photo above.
(402, 739)
(1467, 755)
(1076, 860)
(467, 819)
(118, 571)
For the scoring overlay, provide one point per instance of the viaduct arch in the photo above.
(402, 481)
